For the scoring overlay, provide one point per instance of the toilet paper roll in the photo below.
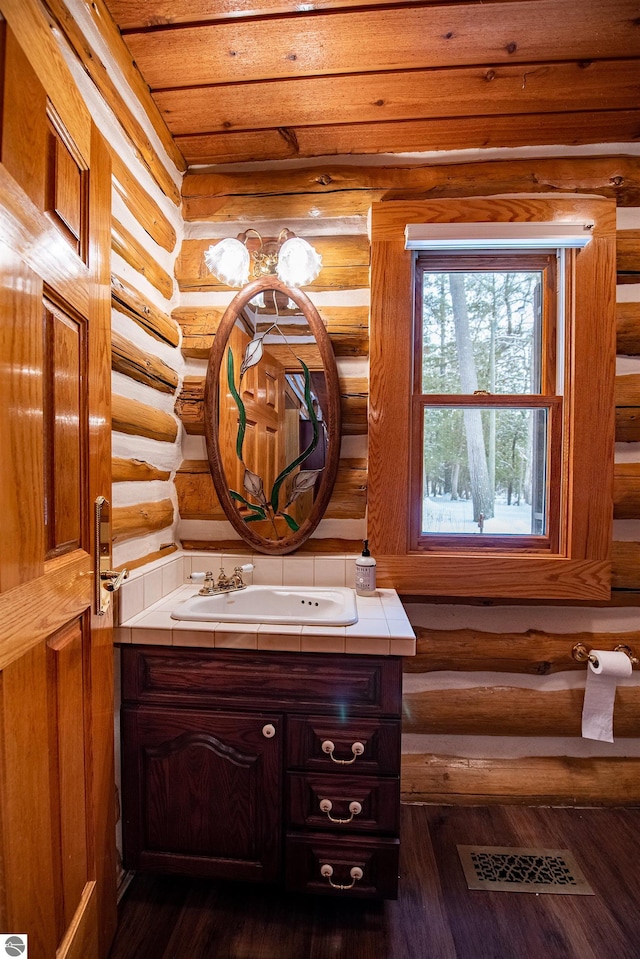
(600, 693)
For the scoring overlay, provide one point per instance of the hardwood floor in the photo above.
(435, 917)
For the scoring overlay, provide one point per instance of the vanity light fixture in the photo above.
(289, 257)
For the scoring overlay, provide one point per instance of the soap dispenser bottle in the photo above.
(366, 573)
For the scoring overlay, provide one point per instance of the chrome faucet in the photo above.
(224, 583)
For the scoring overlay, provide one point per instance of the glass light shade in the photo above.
(298, 262)
(229, 261)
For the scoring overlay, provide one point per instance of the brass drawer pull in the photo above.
(326, 806)
(326, 871)
(328, 747)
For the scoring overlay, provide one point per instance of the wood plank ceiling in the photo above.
(239, 80)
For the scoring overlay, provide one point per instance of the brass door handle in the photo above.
(112, 580)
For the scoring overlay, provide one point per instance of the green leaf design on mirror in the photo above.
(242, 413)
(275, 492)
(245, 502)
(291, 523)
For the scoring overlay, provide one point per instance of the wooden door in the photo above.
(57, 840)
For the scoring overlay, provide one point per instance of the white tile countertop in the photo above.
(383, 629)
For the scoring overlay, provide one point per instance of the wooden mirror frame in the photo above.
(212, 409)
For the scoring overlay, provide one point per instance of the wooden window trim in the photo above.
(579, 566)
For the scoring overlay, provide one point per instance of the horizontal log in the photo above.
(144, 208)
(341, 257)
(349, 496)
(137, 256)
(628, 252)
(393, 39)
(628, 424)
(534, 652)
(628, 329)
(404, 95)
(347, 326)
(511, 711)
(626, 491)
(281, 207)
(353, 400)
(142, 311)
(100, 71)
(627, 390)
(197, 498)
(559, 780)
(199, 325)
(324, 546)
(134, 471)
(130, 521)
(420, 134)
(478, 178)
(164, 550)
(140, 419)
(128, 359)
(625, 572)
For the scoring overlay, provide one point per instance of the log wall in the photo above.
(146, 367)
(492, 702)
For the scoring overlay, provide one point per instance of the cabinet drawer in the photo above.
(366, 685)
(305, 857)
(379, 800)
(310, 738)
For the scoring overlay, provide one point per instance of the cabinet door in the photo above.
(202, 792)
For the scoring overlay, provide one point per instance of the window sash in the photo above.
(527, 261)
(435, 542)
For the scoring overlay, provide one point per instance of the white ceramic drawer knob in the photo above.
(269, 731)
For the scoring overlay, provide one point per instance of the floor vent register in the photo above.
(511, 869)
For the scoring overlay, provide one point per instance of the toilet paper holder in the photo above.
(582, 654)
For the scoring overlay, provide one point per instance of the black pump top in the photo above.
(365, 551)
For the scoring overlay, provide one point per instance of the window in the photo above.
(491, 392)
(486, 416)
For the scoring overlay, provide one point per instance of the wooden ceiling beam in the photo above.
(612, 176)
(405, 95)
(405, 136)
(401, 38)
(140, 14)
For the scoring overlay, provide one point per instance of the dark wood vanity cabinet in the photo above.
(263, 766)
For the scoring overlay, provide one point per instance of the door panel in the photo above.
(21, 395)
(65, 451)
(68, 704)
(57, 833)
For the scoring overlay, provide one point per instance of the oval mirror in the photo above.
(272, 416)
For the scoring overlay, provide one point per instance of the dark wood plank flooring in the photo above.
(435, 917)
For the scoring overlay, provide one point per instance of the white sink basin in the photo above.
(284, 605)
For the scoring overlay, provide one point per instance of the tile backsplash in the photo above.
(151, 583)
